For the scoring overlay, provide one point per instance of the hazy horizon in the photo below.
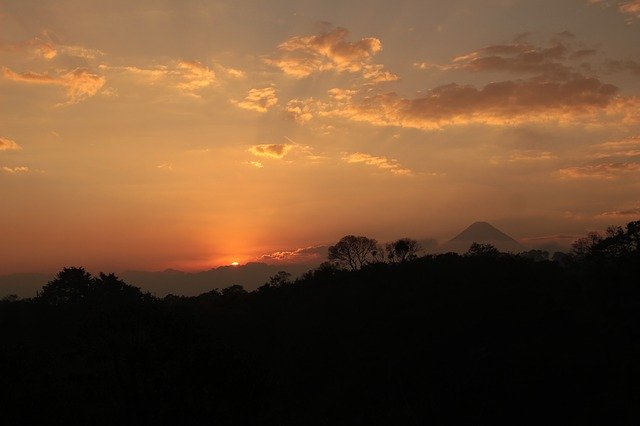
(189, 135)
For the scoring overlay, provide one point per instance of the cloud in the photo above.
(256, 164)
(383, 163)
(15, 170)
(550, 88)
(628, 65)
(629, 7)
(521, 58)
(301, 255)
(342, 94)
(301, 56)
(79, 84)
(271, 150)
(622, 213)
(500, 103)
(188, 76)
(259, 100)
(148, 75)
(165, 166)
(7, 144)
(43, 46)
(628, 147)
(195, 75)
(527, 156)
(600, 171)
(300, 110)
(231, 72)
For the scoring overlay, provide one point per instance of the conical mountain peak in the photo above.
(484, 233)
(481, 231)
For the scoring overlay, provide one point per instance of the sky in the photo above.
(190, 134)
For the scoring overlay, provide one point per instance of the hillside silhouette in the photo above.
(478, 338)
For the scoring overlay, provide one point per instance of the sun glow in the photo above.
(235, 263)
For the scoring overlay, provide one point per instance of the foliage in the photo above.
(482, 250)
(441, 339)
(354, 252)
(402, 250)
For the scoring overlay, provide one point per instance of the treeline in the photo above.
(402, 339)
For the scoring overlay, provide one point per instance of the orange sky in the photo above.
(191, 134)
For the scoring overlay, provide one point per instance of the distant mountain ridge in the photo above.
(483, 233)
(250, 276)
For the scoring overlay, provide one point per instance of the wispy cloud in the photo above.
(383, 163)
(165, 166)
(46, 48)
(187, 76)
(300, 110)
(625, 148)
(256, 164)
(7, 144)
(600, 171)
(549, 62)
(15, 170)
(259, 100)
(276, 150)
(631, 212)
(629, 7)
(301, 56)
(300, 255)
(195, 75)
(79, 84)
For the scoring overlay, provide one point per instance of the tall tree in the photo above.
(402, 250)
(354, 252)
(70, 285)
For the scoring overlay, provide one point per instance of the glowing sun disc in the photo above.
(235, 263)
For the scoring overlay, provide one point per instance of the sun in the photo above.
(235, 263)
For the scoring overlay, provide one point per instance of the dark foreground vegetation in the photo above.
(446, 339)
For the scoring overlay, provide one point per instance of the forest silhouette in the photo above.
(376, 335)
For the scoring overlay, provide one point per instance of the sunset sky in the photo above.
(191, 134)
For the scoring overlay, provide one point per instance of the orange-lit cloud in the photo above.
(188, 76)
(43, 46)
(302, 56)
(600, 171)
(630, 7)
(383, 163)
(628, 147)
(15, 170)
(79, 84)
(300, 110)
(506, 102)
(256, 164)
(521, 58)
(632, 212)
(300, 255)
(7, 144)
(526, 156)
(195, 75)
(259, 100)
(276, 150)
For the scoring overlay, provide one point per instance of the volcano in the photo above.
(484, 233)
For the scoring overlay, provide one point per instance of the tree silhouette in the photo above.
(484, 250)
(70, 285)
(582, 247)
(110, 287)
(354, 252)
(402, 250)
(618, 243)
